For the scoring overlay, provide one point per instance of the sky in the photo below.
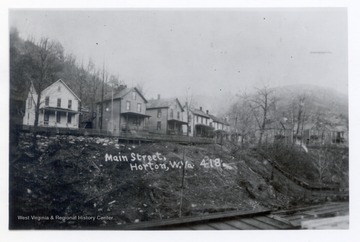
(202, 52)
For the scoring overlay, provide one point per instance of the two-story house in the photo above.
(199, 123)
(166, 116)
(58, 106)
(123, 111)
(220, 127)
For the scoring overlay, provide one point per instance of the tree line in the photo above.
(286, 112)
(42, 62)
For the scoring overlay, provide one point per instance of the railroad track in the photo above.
(330, 215)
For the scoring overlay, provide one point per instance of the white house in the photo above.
(59, 106)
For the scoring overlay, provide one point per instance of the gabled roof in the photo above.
(119, 94)
(199, 113)
(163, 103)
(61, 81)
(216, 119)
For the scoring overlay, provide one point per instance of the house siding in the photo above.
(166, 126)
(120, 121)
(153, 120)
(55, 91)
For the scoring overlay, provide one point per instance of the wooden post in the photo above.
(66, 121)
(55, 118)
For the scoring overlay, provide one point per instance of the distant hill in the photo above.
(318, 99)
(329, 104)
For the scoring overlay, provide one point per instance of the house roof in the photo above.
(61, 81)
(200, 113)
(118, 94)
(216, 119)
(162, 103)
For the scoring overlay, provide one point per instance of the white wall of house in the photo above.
(29, 117)
(59, 91)
(58, 107)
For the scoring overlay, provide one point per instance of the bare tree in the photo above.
(47, 58)
(105, 76)
(81, 83)
(189, 104)
(322, 163)
(262, 106)
(242, 120)
(141, 87)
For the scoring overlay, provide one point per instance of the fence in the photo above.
(127, 135)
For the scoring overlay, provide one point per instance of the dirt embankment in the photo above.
(80, 182)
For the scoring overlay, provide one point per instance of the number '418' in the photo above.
(210, 163)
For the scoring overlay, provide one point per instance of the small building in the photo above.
(58, 106)
(325, 134)
(123, 111)
(166, 116)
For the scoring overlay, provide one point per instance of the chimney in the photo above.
(200, 108)
(121, 87)
(158, 96)
(207, 111)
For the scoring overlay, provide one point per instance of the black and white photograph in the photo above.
(178, 119)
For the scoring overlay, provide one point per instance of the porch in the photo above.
(174, 127)
(58, 117)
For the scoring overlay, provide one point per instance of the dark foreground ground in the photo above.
(77, 183)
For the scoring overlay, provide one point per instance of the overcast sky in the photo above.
(208, 52)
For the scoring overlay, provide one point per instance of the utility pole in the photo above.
(182, 183)
(112, 108)
(102, 97)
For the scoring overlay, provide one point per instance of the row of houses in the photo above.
(125, 109)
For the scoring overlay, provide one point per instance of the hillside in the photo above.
(318, 100)
(79, 182)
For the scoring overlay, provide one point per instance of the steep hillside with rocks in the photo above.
(86, 182)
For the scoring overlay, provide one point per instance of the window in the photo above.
(171, 113)
(69, 118)
(159, 113)
(59, 88)
(189, 118)
(189, 128)
(178, 115)
(158, 125)
(58, 117)
(197, 119)
(134, 95)
(69, 104)
(59, 102)
(47, 100)
(202, 119)
(139, 107)
(128, 105)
